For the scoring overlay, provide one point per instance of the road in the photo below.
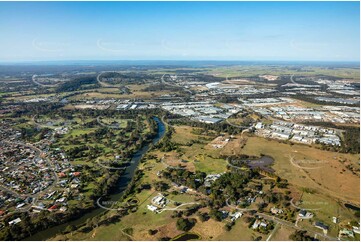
(289, 224)
(103, 84)
(106, 125)
(174, 85)
(281, 221)
(300, 167)
(235, 167)
(273, 231)
(237, 208)
(109, 167)
(39, 153)
(33, 78)
(237, 126)
(178, 207)
(293, 81)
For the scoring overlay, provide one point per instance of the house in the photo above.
(77, 173)
(263, 224)
(20, 205)
(335, 220)
(152, 208)
(256, 224)
(183, 190)
(15, 221)
(52, 208)
(235, 216)
(322, 226)
(159, 200)
(62, 209)
(356, 229)
(61, 200)
(346, 233)
(61, 174)
(259, 125)
(276, 210)
(304, 214)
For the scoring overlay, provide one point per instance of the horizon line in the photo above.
(171, 60)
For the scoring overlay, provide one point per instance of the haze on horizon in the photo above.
(295, 31)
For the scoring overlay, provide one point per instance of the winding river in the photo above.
(123, 182)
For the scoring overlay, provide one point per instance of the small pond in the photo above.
(350, 206)
(263, 163)
(186, 236)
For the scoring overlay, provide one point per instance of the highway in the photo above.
(103, 84)
(33, 78)
(174, 85)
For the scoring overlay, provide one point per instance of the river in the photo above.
(123, 182)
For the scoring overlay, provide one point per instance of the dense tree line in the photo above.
(161, 87)
(80, 83)
(301, 235)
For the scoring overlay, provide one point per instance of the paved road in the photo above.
(293, 81)
(289, 224)
(109, 167)
(237, 208)
(106, 125)
(33, 78)
(103, 84)
(282, 222)
(237, 126)
(178, 207)
(39, 153)
(174, 85)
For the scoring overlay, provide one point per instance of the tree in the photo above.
(228, 226)
(185, 224)
(301, 235)
(152, 231)
(216, 215)
(161, 186)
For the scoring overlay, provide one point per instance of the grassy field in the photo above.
(205, 158)
(282, 233)
(98, 234)
(248, 71)
(122, 122)
(240, 231)
(183, 134)
(334, 180)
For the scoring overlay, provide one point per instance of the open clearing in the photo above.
(335, 179)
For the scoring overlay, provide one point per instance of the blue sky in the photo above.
(326, 31)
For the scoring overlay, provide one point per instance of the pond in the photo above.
(263, 163)
(186, 236)
(350, 206)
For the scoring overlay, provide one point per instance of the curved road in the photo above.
(103, 84)
(33, 78)
(174, 85)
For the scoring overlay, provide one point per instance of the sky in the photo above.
(294, 31)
